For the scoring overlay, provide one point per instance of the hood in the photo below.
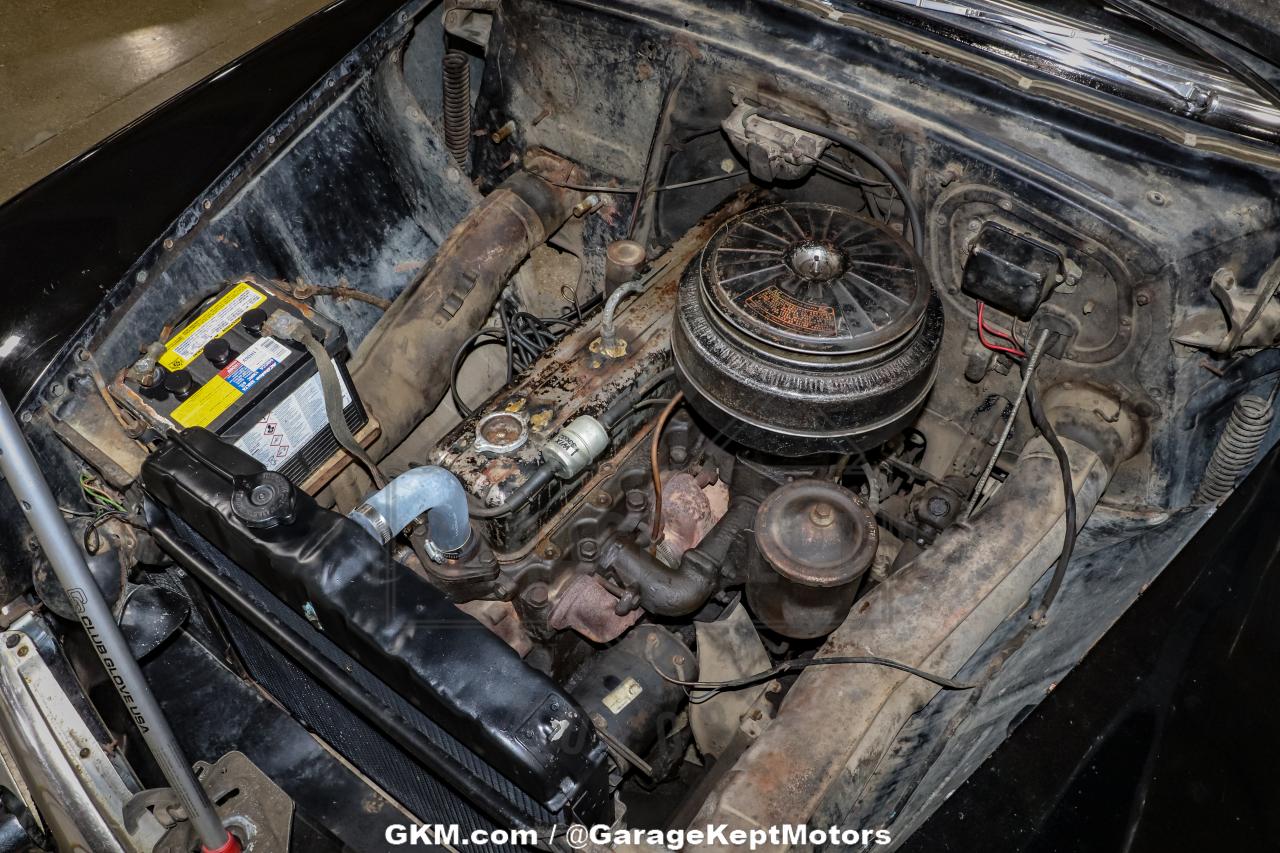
(1251, 24)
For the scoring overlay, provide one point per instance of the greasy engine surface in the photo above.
(691, 347)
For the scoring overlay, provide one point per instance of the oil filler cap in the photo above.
(263, 500)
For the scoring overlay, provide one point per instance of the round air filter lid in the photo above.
(814, 278)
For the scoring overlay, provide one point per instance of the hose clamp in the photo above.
(377, 524)
(433, 551)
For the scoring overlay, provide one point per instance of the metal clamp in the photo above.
(379, 525)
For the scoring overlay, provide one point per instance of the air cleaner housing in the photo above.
(803, 328)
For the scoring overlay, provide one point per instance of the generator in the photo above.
(235, 365)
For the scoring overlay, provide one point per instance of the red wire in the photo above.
(984, 328)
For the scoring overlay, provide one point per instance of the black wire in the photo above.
(794, 665)
(1069, 493)
(462, 408)
(558, 321)
(506, 331)
(540, 477)
(914, 221)
(177, 438)
(92, 538)
(525, 336)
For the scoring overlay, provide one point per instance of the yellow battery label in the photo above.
(232, 382)
(212, 323)
(210, 400)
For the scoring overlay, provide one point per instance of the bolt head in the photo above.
(822, 514)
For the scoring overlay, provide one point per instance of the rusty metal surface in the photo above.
(687, 514)
(588, 608)
(814, 541)
(816, 533)
(627, 468)
(575, 378)
(935, 614)
(454, 294)
(92, 433)
(249, 802)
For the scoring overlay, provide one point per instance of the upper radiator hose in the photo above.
(429, 489)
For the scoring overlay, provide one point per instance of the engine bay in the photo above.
(670, 415)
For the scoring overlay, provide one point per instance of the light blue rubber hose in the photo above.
(429, 489)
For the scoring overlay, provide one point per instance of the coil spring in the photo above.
(457, 106)
(1237, 448)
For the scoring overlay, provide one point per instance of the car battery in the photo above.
(224, 370)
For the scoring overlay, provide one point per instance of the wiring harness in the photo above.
(525, 336)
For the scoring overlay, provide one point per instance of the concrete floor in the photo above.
(72, 72)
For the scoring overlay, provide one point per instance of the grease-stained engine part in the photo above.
(331, 566)
(802, 328)
(573, 379)
(813, 541)
(773, 151)
(983, 570)
(634, 709)
(622, 262)
(683, 589)
(683, 345)
(449, 300)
